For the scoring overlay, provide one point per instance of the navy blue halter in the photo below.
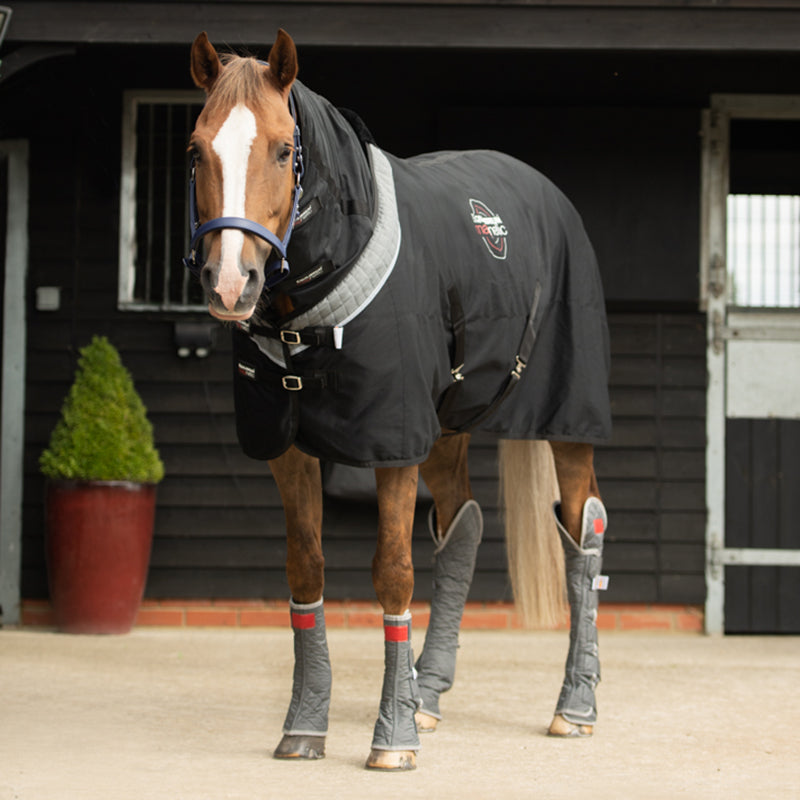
(277, 267)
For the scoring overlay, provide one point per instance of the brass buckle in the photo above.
(290, 337)
(292, 383)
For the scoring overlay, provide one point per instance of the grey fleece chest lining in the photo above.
(367, 275)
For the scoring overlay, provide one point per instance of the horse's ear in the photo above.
(206, 65)
(283, 61)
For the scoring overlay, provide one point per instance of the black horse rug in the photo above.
(453, 290)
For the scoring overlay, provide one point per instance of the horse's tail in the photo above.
(528, 488)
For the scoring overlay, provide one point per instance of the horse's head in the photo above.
(245, 172)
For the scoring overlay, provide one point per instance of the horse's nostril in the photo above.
(207, 280)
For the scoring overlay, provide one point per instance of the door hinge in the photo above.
(712, 131)
(715, 560)
(717, 276)
(718, 333)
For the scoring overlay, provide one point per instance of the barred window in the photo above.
(154, 226)
(764, 250)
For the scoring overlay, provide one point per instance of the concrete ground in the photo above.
(195, 714)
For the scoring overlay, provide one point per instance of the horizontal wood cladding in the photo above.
(220, 527)
(652, 473)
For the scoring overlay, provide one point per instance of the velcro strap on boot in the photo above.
(396, 628)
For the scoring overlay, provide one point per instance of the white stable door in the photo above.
(750, 284)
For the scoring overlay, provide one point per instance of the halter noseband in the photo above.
(277, 268)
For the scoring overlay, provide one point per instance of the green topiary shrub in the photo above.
(103, 433)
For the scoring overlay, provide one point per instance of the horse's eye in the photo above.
(285, 155)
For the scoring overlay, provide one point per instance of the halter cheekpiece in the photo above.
(277, 267)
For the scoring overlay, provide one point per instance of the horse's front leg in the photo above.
(395, 741)
(306, 725)
(582, 522)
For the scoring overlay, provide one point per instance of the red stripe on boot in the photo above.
(396, 633)
(598, 526)
(303, 621)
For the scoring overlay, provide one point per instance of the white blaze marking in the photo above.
(232, 144)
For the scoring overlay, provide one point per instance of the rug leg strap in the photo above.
(576, 703)
(395, 728)
(306, 722)
(454, 565)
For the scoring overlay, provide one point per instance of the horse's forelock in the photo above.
(240, 82)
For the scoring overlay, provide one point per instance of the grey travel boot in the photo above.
(306, 723)
(395, 729)
(576, 703)
(454, 565)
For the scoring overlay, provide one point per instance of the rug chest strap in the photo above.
(318, 336)
(290, 382)
(293, 382)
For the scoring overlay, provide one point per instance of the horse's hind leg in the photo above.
(582, 521)
(306, 725)
(456, 525)
(395, 741)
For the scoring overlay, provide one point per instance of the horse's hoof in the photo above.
(301, 746)
(568, 730)
(425, 722)
(392, 759)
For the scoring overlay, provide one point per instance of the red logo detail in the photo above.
(598, 526)
(396, 633)
(303, 622)
(490, 227)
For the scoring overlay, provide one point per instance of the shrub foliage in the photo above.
(103, 433)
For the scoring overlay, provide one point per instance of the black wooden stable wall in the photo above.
(219, 528)
(219, 523)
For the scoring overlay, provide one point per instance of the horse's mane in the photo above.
(241, 81)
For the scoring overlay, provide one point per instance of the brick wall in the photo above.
(364, 614)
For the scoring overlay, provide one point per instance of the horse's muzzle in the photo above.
(231, 297)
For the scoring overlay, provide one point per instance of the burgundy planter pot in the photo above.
(98, 540)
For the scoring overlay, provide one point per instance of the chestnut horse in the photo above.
(272, 162)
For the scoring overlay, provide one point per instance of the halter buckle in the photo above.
(292, 383)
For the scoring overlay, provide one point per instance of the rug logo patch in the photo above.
(490, 227)
(246, 370)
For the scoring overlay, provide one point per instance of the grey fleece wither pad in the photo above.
(311, 688)
(395, 728)
(576, 703)
(454, 565)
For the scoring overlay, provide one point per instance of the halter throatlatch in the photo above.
(277, 267)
